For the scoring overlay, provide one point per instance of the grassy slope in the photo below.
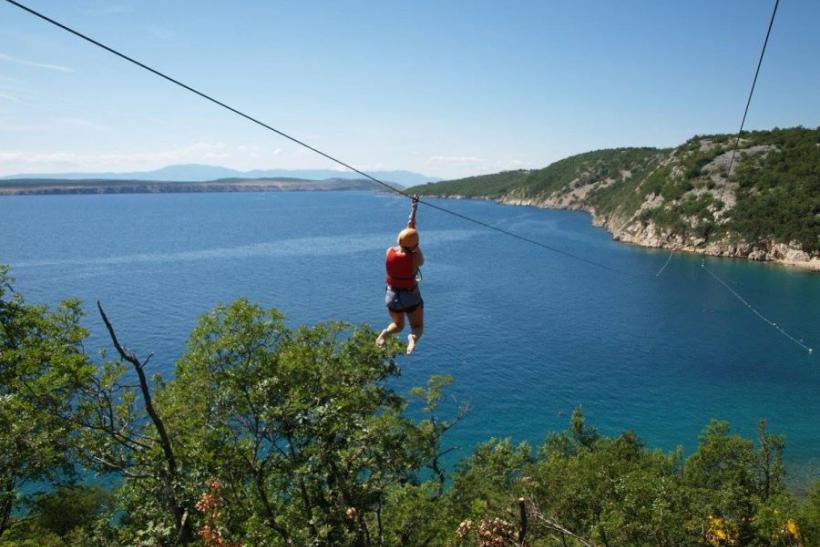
(495, 185)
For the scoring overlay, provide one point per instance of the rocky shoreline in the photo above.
(646, 236)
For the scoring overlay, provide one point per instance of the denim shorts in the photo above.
(404, 300)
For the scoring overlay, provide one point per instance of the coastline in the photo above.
(623, 232)
(41, 187)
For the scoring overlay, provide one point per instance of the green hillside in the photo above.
(570, 173)
(684, 196)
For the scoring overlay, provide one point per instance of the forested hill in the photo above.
(767, 208)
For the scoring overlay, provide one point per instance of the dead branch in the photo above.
(170, 478)
(522, 530)
(558, 528)
(165, 442)
(551, 524)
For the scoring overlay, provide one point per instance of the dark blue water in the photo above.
(527, 334)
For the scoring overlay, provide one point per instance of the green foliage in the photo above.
(779, 195)
(809, 515)
(295, 437)
(300, 423)
(585, 169)
(485, 482)
(71, 507)
(613, 491)
(494, 185)
(41, 365)
(676, 190)
(416, 514)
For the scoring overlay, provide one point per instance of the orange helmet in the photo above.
(409, 238)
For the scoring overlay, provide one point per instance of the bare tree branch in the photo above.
(180, 512)
(119, 468)
(551, 524)
(165, 441)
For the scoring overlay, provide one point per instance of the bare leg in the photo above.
(396, 326)
(417, 328)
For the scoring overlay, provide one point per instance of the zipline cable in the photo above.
(308, 146)
(734, 293)
(746, 110)
(752, 90)
(737, 295)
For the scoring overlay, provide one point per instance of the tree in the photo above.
(732, 481)
(41, 364)
(299, 426)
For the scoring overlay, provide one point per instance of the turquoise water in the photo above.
(527, 334)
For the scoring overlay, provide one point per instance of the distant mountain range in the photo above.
(202, 173)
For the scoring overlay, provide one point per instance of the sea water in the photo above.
(527, 334)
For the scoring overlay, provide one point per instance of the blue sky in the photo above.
(443, 88)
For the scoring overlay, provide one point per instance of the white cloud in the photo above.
(46, 66)
(453, 160)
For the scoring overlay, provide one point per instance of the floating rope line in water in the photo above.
(309, 147)
(665, 264)
(746, 303)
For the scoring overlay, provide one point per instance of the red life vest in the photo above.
(401, 270)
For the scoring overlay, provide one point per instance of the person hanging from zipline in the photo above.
(402, 295)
